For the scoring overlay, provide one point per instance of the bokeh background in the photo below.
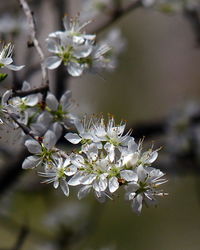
(157, 79)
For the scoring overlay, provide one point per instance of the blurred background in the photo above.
(155, 84)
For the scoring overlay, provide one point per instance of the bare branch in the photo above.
(21, 93)
(29, 15)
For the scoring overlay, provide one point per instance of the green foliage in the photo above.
(3, 76)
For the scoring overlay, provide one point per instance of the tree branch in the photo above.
(29, 15)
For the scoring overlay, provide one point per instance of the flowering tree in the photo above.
(106, 156)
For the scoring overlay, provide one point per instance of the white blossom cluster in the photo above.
(80, 52)
(108, 159)
(39, 115)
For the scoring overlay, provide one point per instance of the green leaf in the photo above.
(2, 76)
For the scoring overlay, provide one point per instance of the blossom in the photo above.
(26, 107)
(108, 158)
(56, 171)
(145, 187)
(42, 151)
(12, 24)
(56, 115)
(77, 50)
(72, 47)
(117, 44)
(6, 58)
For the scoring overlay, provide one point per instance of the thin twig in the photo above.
(21, 93)
(21, 238)
(29, 15)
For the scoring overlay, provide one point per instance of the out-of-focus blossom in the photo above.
(10, 24)
(91, 8)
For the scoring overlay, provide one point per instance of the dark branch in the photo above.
(20, 93)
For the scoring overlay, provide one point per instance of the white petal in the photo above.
(26, 86)
(75, 69)
(56, 183)
(153, 157)
(52, 45)
(71, 170)
(73, 138)
(32, 100)
(100, 185)
(82, 51)
(30, 162)
(88, 179)
(14, 67)
(113, 184)
(6, 61)
(5, 97)
(142, 173)
(51, 101)
(64, 100)
(52, 62)
(137, 204)
(75, 180)
(33, 146)
(129, 175)
(64, 186)
(84, 191)
(57, 129)
(79, 126)
(49, 139)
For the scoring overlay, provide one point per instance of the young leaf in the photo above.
(2, 76)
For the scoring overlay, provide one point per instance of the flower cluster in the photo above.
(108, 159)
(39, 115)
(78, 51)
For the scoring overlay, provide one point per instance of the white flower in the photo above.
(72, 47)
(43, 152)
(56, 171)
(86, 132)
(60, 111)
(145, 187)
(76, 50)
(6, 58)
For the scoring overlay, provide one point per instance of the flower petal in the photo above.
(129, 175)
(113, 184)
(75, 180)
(50, 139)
(64, 186)
(33, 146)
(30, 162)
(51, 101)
(84, 191)
(52, 62)
(73, 138)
